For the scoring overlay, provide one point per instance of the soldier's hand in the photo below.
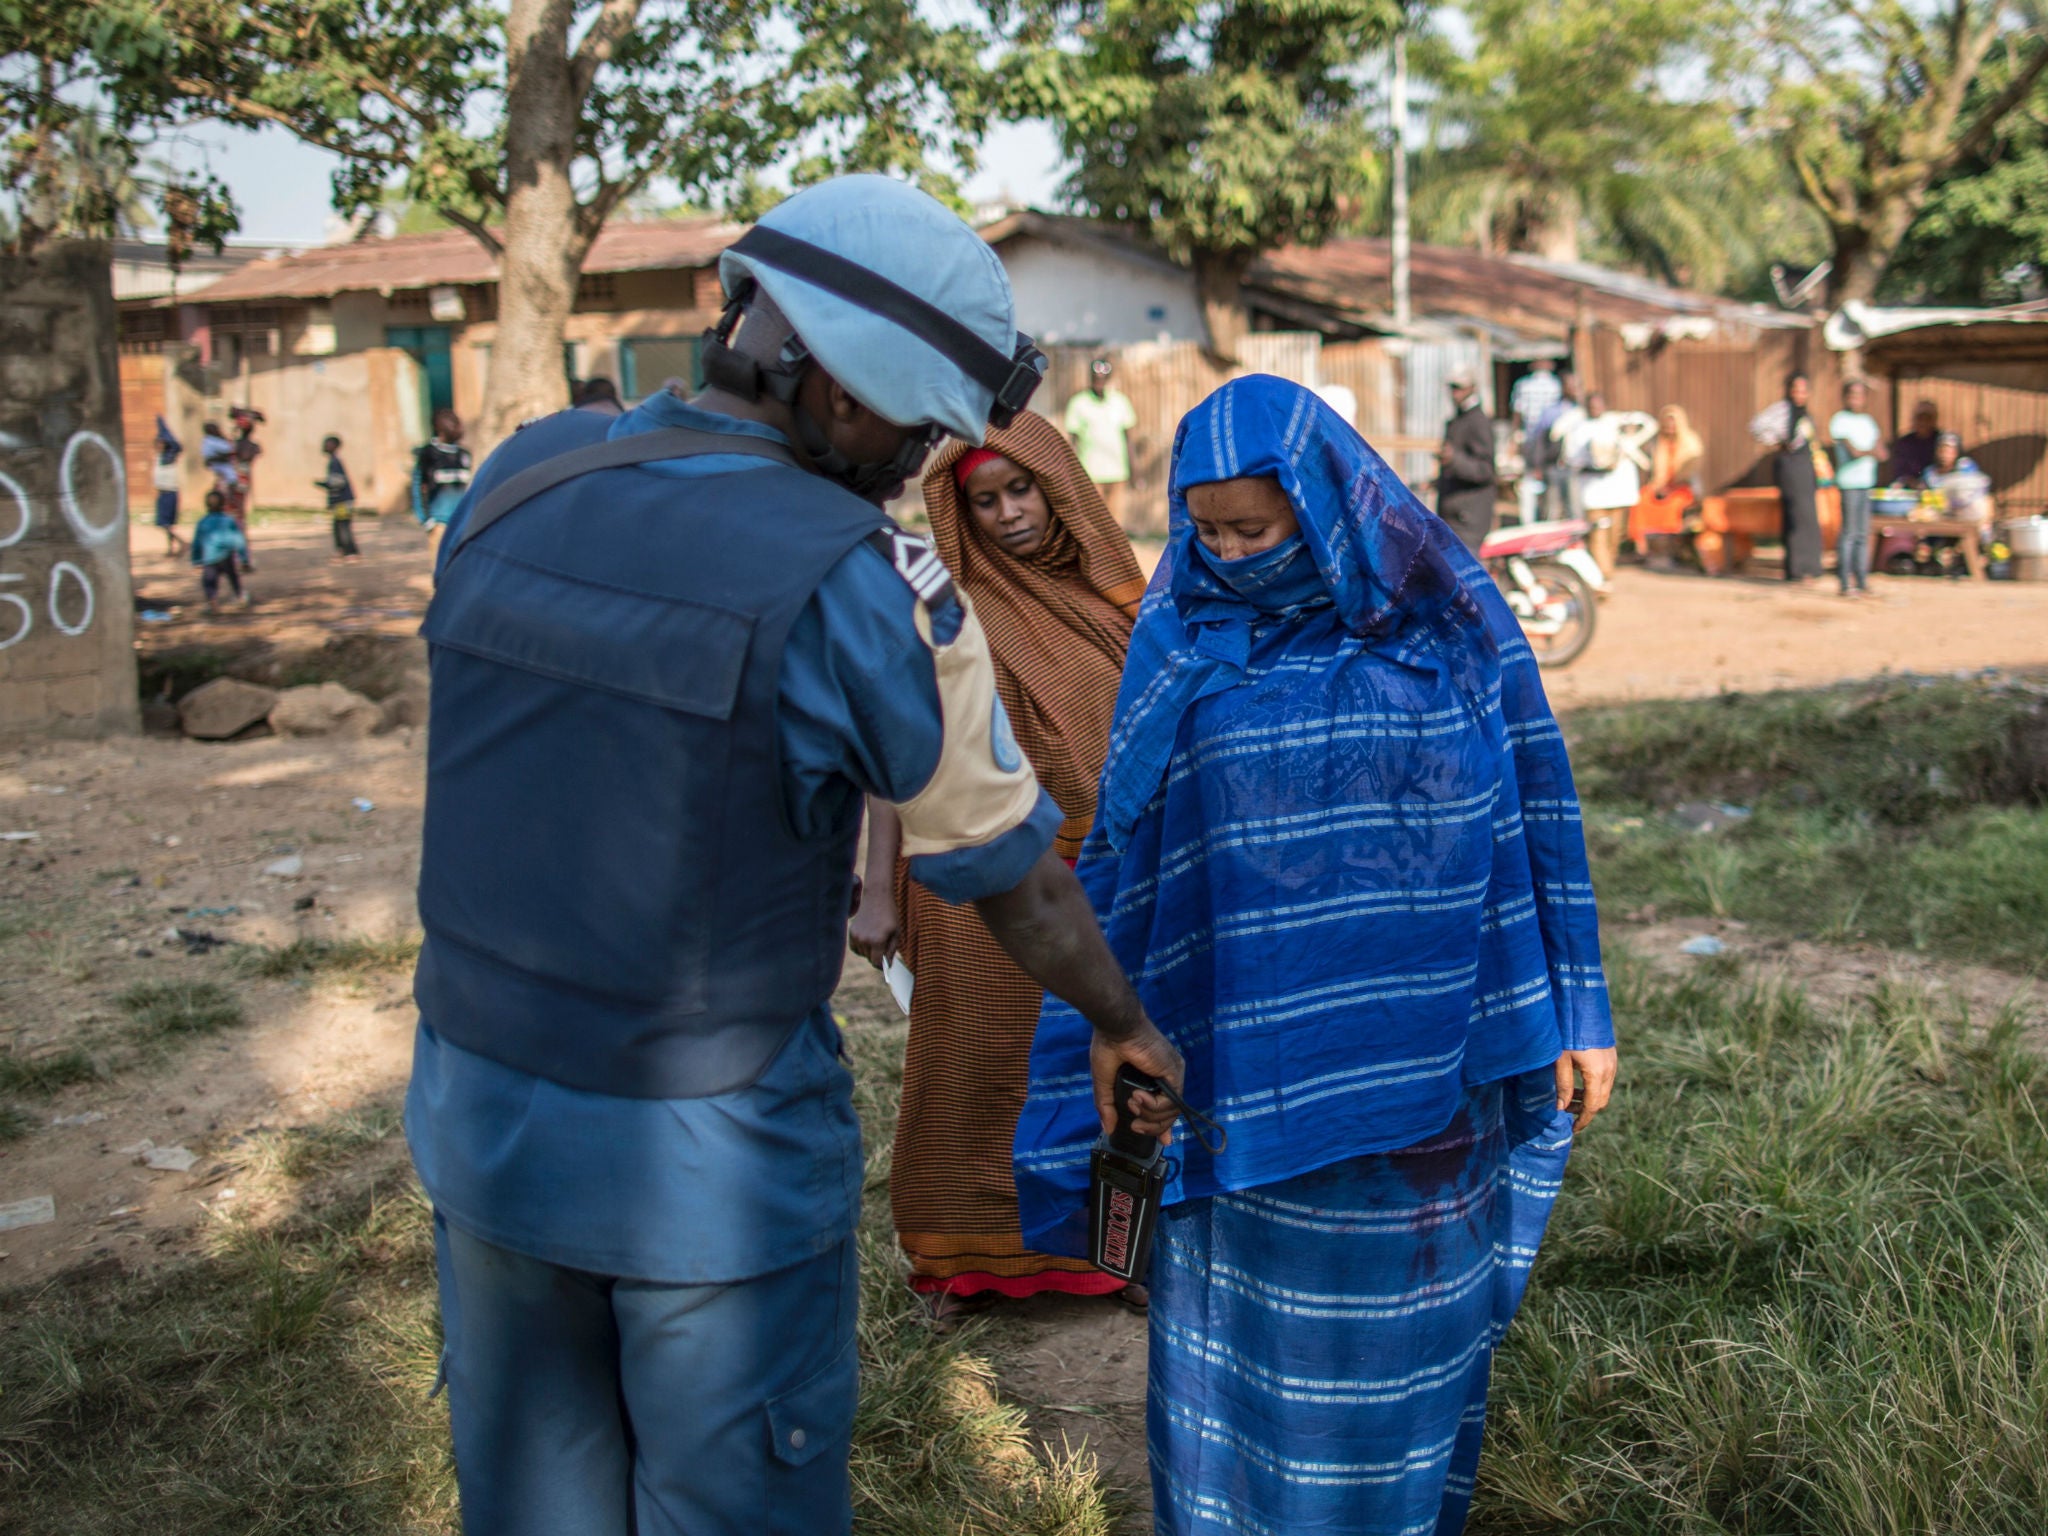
(1154, 1055)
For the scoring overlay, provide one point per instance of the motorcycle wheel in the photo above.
(1570, 603)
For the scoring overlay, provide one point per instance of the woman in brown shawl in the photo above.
(1028, 539)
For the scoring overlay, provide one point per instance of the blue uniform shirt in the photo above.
(723, 1188)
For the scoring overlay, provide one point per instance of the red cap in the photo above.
(970, 461)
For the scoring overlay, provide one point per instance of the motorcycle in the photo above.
(1551, 582)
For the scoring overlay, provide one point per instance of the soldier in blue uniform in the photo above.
(671, 653)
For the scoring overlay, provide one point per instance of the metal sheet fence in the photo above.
(2001, 412)
(1721, 385)
(1164, 382)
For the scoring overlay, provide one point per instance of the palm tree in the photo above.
(88, 180)
(1556, 135)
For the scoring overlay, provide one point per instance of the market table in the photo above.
(1965, 531)
(1732, 522)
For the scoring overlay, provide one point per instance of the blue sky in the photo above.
(282, 185)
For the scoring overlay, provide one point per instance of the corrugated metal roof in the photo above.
(1524, 293)
(453, 258)
(1857, 323)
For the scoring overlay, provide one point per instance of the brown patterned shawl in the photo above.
(1058, 623)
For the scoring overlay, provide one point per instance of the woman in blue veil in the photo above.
(1339, 852)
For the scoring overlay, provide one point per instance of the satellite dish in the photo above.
(1796, 295)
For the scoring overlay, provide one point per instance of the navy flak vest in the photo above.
(612, 894)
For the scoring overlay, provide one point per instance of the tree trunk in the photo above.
(544, 239)
(1863, 251)
(1552, 230)
(1218, 277)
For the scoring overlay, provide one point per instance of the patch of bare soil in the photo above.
(1076, 1365)
(144, 852)
(1834, 974)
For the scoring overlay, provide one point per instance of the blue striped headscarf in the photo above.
(1337, 847)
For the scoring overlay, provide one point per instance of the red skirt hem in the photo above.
(1092, 1283)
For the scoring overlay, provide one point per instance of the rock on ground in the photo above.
(225, 707)
(324, 709)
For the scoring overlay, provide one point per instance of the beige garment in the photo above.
(983, 785)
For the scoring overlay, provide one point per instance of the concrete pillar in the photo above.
(67, 611)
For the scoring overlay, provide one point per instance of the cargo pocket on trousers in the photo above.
(810, 1430)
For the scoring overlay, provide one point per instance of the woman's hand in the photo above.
(876, 931)
(1596, 1070)
(1154, 1055)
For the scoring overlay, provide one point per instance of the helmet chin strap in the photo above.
(876, 481)
(728, 368)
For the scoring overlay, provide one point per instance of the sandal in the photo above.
(1133, 1298)
(949, 1309)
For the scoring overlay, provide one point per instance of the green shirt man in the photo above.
(1097, 420)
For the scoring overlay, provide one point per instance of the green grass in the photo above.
(303, 1151)
(1905, 815)
(1797, 1284)
(166, 1008)
(15, 1123)
(40, 1075)
(310, 957)
(278, 1383)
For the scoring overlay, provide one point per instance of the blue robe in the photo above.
(1339, 851)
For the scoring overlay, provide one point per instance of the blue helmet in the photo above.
(896, 298)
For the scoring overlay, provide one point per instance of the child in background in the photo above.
(168, 449)
(216, 545)
(341, 500)
(440, 473)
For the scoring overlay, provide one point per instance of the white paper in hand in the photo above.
(897, 974)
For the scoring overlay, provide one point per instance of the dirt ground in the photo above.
(136, 839)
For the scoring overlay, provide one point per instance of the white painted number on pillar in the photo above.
(58, 572)
(89, 533)
(28, 618)
(67, 490)
(21, 511)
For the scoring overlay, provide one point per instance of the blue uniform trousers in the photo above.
(588, 1405)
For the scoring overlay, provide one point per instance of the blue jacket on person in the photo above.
(217, 539)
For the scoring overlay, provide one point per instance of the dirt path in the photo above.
(1681, 635)
(1834, 974)
(134, 842)
(302, 595)
(1678, 636)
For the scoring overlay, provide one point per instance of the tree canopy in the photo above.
(1874, 103)
(530, 123)
(1592, 128)
(82, 94)
(1982, 235)
(1220, 130)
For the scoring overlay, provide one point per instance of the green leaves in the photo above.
(1578, 129)
(1873, 103)
(83, 86)
(1223, 130)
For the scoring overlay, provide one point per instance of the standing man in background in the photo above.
(1465, 484)
(1534, 395)
(1099, 420)
(672, 652)
(1553, 425)
(1856, 436)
